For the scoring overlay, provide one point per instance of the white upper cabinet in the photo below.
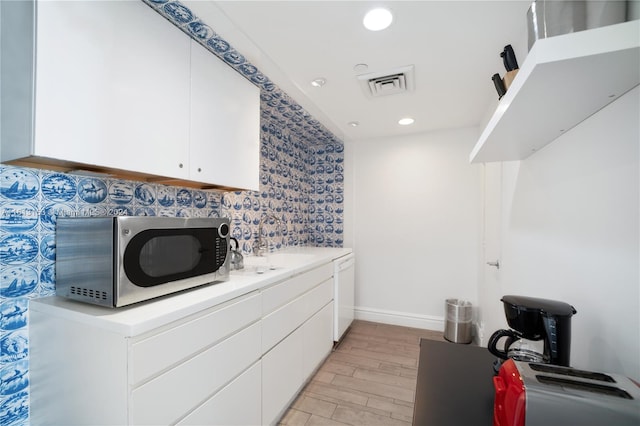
(113, 87)
(564, 80)
(225, 123)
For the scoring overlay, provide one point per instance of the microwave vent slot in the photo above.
(572, 372)
(88, 293)
(584, 386)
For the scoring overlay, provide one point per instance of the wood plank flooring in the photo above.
(369, 379)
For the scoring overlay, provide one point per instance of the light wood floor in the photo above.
(369, 379)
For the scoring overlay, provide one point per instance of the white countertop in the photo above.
(136, 319)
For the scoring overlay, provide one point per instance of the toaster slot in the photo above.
(584, 386)
(566, 371)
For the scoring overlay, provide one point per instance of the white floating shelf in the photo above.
(564, 80)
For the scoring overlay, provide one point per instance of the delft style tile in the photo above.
(59, 187)
(184, 198)
(199, 199)
(92, 190)
(121, 192)
(178, 13)
(17, 281)
(166, 196)
(18, 184)
(145, 194)
(14, 409)
(13, 377)
(199, 30)
(218, 45)
(14, 347)
(18, 217)
(18, 249)
(13, 314)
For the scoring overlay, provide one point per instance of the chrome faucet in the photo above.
(261, 246)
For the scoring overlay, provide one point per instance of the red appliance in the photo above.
(535, 394)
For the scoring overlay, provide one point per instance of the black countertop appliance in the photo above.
(533, 319)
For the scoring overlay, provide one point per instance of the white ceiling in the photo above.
(454, 46)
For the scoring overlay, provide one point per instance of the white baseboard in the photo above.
(404, 319)
(426, 322)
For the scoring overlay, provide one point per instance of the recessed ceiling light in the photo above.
(353, 123)
(377, 19)
(360, 67)
(318, 82)
(406, 121)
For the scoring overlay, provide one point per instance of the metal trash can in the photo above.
(457, 326)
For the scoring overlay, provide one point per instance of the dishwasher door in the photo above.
(344, 294)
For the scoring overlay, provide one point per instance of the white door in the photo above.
(490, 289)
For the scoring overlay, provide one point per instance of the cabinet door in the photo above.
(317, 339)
(112, 87)
(225, 123)
(281, 376)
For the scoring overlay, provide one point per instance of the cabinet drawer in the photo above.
(277, 325)
(279, 294)
(171, 395)
(238, 403)
(160, 351)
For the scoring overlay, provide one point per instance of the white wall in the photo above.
(570, 232)
(570, 225)
(416, 229)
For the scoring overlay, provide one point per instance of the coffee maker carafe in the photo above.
(540, 331)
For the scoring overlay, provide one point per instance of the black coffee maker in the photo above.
(534, 321)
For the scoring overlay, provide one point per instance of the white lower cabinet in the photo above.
(288, 366)
(84, 374)
(296, 337)
(241, 362)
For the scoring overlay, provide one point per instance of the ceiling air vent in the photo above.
(392, 82)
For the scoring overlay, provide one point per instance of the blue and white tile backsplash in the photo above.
(301, 182)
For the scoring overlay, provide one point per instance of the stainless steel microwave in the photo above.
(117, 261)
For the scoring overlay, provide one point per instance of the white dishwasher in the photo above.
(344, 294)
